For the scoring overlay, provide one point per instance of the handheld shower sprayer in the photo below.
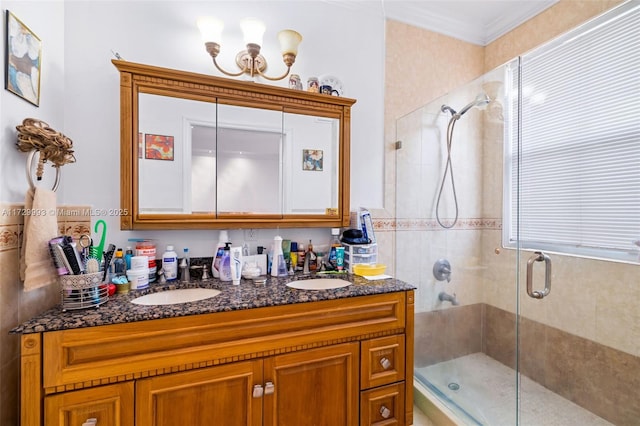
(481, 100)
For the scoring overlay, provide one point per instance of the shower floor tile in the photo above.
(487, 392)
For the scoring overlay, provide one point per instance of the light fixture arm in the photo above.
(213, 49)
(250, 61)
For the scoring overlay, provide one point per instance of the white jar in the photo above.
(170, 264)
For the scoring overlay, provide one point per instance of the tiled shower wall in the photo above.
(16, 305)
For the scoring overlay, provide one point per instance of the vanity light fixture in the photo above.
(250, 60)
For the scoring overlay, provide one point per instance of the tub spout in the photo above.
(445, 297)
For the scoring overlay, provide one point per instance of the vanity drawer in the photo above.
(382, 406)
(382, 361)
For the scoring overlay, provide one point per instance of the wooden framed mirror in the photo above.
(204, 152)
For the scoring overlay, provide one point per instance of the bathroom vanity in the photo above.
(252, 355)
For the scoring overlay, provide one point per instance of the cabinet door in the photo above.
(317, 387)
(110, 405)
(220, 395)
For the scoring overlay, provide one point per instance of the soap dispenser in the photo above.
(279, 266)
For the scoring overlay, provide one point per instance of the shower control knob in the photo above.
(385, 363)
(385, 412)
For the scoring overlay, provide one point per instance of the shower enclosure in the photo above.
(488, 349)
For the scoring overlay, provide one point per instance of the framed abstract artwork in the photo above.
(23, 60)
(312, 159)
(158, 147)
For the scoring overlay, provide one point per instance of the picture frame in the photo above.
(23, 60)
(158, 147)
(312, 160)
(140, 145)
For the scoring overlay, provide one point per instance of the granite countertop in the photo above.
(247, 295)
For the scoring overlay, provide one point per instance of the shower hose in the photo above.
(448, 169)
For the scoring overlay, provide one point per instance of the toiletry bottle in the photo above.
(302, 254)
(119, 266)
(222, 240)
(312, 257)
(236, 264)
(185, 264)
(170, 264)
(225, 263)
(127, 257)
(278, 264)
(333, 244)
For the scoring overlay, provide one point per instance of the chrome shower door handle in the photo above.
(539, 257)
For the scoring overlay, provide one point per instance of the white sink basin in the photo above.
(171, 297)
(318, 284)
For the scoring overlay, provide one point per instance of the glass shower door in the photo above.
(448, 239)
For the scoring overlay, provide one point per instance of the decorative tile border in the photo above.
(472, 224)
(10, 237)
(70, 222)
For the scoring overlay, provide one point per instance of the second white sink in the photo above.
(318, 284)
(170, 297)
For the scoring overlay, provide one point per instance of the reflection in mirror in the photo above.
(164, 151)
(203, 168)
(248, 161)
(250, 170)
(312, 150)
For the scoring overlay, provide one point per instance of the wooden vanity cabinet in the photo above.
(320, 363)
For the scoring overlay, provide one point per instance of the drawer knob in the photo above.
(385, 412)
(385, 363)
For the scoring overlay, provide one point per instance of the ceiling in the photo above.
(474, 21)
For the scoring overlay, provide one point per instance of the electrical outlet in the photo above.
(251, 234)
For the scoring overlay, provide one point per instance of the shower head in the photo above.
(481, 100)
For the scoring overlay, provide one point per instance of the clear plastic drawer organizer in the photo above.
(83, 291)
(359, 254)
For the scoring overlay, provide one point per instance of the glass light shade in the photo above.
(253, 30)
(289, 41)
(211, 29)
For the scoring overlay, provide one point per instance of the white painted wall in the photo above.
(80, 87)
(45, 19)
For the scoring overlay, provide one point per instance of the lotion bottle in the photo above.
(236, 264)
(170, 264)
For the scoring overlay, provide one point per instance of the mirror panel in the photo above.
(165, 152)
(312, 150)
(250, 166)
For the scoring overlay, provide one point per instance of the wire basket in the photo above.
(83, 291)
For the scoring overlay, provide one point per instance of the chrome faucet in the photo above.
(445, 297)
